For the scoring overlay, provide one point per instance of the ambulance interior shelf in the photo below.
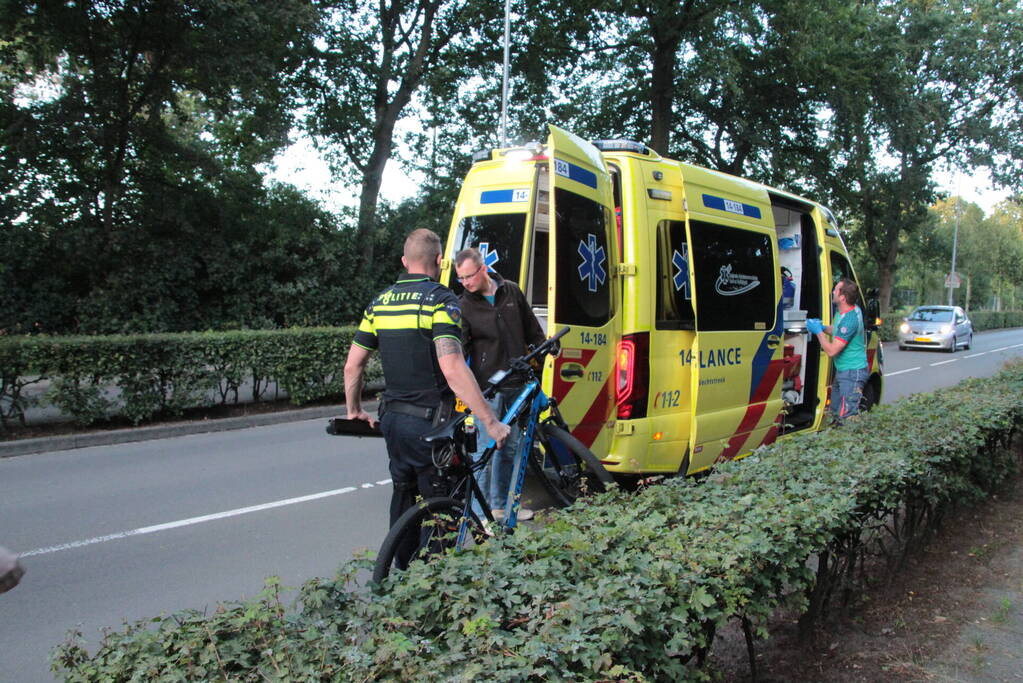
(794, 372)
(788, 224)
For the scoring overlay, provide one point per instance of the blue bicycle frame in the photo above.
(538, 402)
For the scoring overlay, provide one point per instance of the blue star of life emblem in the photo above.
(681, 277)
(489, 257)
(591, 270)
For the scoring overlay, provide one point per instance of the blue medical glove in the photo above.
(814, 325)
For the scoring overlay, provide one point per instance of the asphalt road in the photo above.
(133, 530)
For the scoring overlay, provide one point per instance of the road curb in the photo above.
(64, 442)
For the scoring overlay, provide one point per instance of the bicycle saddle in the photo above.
(444, 432)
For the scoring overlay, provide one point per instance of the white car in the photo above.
(936, 327)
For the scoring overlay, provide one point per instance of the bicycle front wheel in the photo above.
(566, 467)
(428, 528)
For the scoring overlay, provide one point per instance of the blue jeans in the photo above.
(847, 392)
(495, 478)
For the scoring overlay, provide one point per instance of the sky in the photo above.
(302, 166)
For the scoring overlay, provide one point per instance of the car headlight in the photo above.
(904, 328)
(945, 329)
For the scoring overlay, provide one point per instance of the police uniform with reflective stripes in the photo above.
(402, 323)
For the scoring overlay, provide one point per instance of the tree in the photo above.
(156, 116)
(924, 85)
(377, 57)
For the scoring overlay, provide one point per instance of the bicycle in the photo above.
(563, 464)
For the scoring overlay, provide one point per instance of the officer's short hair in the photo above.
(849, 290)
(469, 253)
(422, 246)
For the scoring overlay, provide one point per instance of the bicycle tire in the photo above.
(445, 515)
(566, 481)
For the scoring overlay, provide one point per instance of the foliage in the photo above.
(626, 586)
(146, 375)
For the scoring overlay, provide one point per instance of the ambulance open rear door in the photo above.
(581, 287)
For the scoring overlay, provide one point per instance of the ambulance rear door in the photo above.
(736, 359)
(582, 287)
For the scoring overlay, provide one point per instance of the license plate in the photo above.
(922, 339)
(460, 406)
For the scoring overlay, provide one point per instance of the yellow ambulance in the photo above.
(686, 290)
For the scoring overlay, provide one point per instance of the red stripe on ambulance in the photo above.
(593, 421)
(754, 411)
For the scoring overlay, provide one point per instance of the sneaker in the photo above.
(525, 514)
(498, 515)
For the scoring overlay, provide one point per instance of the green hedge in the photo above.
(982, 320)
(625, 586)
(167, 373)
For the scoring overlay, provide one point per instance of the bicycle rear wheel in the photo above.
(428, 528)
(566, 467)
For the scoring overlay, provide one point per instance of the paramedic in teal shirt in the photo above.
(845, 341)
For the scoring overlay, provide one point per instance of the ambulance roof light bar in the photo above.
(527, 152)
(621, 146)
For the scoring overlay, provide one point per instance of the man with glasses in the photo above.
(497, 324)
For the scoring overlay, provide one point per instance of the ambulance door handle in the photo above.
(773, 341)
(571, 370)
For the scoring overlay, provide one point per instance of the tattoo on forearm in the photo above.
(446, 346)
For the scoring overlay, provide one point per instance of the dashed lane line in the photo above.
(198, 520)
(899, 372)
(943, 362)
(1004, 348)
(974, 355)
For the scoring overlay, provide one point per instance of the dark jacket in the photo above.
(492, 335)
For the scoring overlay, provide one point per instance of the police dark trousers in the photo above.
(412, 470)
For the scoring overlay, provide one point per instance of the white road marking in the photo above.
(383, 482)
(367, 485)
(952, 360)
(1015, 346)
(188, 522)
(974, 355)
(1004, 348)
(892, 374)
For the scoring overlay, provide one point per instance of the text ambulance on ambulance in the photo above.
(688, 345)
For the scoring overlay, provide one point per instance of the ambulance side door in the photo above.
(582, 288)
(736, 358)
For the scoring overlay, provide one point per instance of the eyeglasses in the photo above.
(466, 278)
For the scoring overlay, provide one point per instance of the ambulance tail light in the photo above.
(632, 372)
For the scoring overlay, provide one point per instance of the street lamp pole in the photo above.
(955, 244)
(504, 80)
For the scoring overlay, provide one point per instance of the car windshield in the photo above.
(932, 315)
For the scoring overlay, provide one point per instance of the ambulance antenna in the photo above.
(504, 80)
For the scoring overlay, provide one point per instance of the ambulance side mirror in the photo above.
(872, 310)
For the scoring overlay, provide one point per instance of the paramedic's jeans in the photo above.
(495, 478)
(847, 392)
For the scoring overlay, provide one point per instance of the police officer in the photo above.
(415, 324)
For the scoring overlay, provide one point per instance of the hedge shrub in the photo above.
(167, 373)
(624, 586)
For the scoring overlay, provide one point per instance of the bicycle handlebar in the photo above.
(521, 364)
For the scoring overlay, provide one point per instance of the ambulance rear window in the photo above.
(735, 278)
(498, 237)
(582, 260)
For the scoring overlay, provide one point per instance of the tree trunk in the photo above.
(662, 90)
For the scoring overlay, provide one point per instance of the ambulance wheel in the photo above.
(869, 398)
(565, 467)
